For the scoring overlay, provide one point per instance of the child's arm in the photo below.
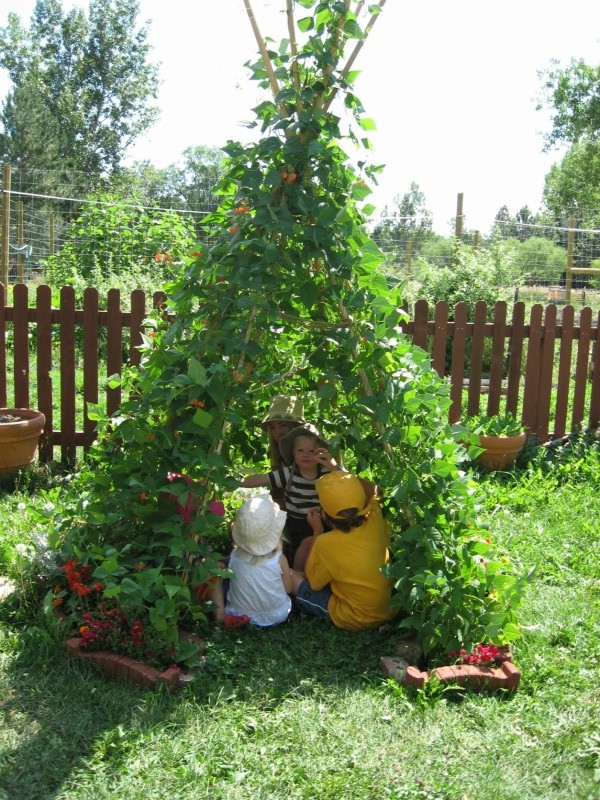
(255, 481)
(286, 574)
(325, 459)
(371, 489)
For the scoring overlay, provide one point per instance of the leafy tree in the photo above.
(409, 218)
(288, 298)
(573, 93)
(519, 226)
(535, 260)
(192, 182)
(32, 138)
(572, 188)
(87, 78)
(472, 276)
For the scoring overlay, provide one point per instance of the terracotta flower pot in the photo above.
(20, 431)
(500, 451)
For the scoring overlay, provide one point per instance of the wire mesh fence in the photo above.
(42, 211)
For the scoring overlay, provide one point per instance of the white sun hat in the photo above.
(258, 525)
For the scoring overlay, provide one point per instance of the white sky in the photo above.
(451, 87)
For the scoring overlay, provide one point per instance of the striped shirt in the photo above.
(300, 495)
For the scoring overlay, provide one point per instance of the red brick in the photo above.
(117, 667)
(480, 678)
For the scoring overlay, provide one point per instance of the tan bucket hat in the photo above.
(286, 444)
(284, 408)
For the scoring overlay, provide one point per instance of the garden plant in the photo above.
(288, 299)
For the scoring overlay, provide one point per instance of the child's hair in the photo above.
(348, 519)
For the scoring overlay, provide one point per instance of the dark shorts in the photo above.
(311, 602)
(294, 532)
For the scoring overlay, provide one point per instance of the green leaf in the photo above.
(202, 418)
(309, 294)
(367, 124)
(197, 372)
(113, 381)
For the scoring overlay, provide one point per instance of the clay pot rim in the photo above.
(27, 418)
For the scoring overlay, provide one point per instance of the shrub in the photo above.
(112, 236)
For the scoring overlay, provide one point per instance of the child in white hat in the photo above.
(257, 591)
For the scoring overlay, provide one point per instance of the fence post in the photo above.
(569, 272)
(409, 252)
(4, 248)
(458, 223)
(21, 240)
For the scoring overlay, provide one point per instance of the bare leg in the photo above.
(297, 578)
(218, 599)
(302, 552)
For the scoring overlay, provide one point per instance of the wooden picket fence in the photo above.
(540, 369)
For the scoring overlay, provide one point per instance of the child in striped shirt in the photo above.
(309, 458)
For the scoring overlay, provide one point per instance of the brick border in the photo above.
(504, 675)
(116, 667)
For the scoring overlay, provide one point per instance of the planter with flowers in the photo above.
(20, 431)
(499, 437)
(120, 647)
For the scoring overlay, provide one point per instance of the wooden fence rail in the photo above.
(542, 370)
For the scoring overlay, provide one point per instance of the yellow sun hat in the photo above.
(339, 491)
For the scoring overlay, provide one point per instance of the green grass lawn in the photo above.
(303, 711)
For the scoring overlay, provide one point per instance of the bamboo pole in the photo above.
(348, 66)
(265, 56)
(569, 270)
(4, 243)
(294, 51)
